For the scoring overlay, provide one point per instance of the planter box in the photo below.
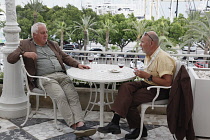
(201, 96)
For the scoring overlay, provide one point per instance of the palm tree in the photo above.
(166, 44)
(61, 27)
(198, 30)
(160, 26)
(86, 25)
(190, 37)
(107, 26)
(188, 40)
(138, 28)
(36, 6)
(194, 15)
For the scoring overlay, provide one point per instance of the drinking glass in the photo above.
(121, 62)
(90, 58)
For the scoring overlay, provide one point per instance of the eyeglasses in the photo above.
(145, 33)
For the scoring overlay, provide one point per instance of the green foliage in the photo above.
(25, 19)
(114, 48)
(35, 6)
(115, 29)
(135, 30)
(60, 30)
(161, 26)
(175, 32)
(85, 27)
(166, 44)
(198, 31)
(177, 29)
(107, 27)
(1, 77)
(120, 38)
(2, 24)
(1, 10)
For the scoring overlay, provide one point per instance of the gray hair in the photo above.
(35, 27)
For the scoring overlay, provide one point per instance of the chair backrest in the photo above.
(24, 72)
(178, 66)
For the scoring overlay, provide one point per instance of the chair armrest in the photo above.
(158, 87)
(40, 82)
(157, 93)
(37, 77)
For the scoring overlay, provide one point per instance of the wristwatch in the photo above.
(150, 78)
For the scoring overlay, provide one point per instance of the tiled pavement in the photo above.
(41, 127)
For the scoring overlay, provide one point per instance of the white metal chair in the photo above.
(35, 92)
(154, 103)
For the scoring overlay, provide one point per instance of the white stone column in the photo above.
(13, 99)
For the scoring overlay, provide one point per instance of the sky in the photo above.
(51, 3)
(164, 6)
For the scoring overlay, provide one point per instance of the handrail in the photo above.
(136, 56)
(140, 53)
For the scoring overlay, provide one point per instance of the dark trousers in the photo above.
(130, 96)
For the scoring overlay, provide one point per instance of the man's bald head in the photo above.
(153, 35)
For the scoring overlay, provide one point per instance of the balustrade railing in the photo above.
(135, 59)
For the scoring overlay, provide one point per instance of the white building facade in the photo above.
(145, 8)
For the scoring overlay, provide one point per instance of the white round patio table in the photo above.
(102, 74)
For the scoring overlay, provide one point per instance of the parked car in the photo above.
(190, 58)
(69, 47)
(192, 49)
(120, 55)
(95, 49)
(75, 45)
(97, 55)
(129, 56)
(109, 55)
(201, 64)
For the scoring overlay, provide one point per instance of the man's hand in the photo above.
(141, 74)
(165, 80)
(80, 66)
(32, 55)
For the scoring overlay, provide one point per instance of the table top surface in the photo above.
(102, 73)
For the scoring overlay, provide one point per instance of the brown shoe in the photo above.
(84, 131)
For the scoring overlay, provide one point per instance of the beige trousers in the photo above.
(61, 89)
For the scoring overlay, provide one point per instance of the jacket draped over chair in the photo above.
(180, 107)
